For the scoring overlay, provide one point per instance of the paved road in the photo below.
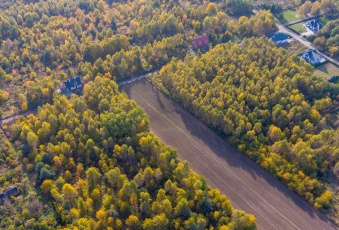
(248, 186)
(305, 43)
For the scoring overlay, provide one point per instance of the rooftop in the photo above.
(314, 25)
(278, 37)
(313, 57)
(73, 83)
(200, 42)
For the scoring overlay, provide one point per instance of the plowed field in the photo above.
(247, 185)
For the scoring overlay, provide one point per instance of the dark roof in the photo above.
(314, 24)
(78, 81)
(312, 56)
(201, 41)
(279, 37)
(73, 83)
(12, 191)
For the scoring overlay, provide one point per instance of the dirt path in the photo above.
(12, 118)
(133, 79)
(247, 185)
(34, 111)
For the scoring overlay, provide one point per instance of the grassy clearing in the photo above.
(294, 47)
(291, 15)
(326, 70)
(323, 21)
(299, 27)
(288, 16)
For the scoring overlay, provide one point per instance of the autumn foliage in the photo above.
(99, 166)
(265, 103)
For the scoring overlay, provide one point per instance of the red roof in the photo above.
(200, 42)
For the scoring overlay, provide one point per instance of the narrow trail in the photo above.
(35, 110)
(14, 117)
(248, 186)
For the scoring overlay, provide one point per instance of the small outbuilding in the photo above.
(200, 43)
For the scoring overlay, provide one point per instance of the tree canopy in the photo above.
(97, 163)
(266, 104)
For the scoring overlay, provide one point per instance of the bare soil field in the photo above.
(247, 185)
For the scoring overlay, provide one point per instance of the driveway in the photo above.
(305, 43)
(309, 32)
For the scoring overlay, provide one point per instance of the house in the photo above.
(10, 191)
(200, 43)
(312, 57)
(279, 38)
(71, 85)
(314, 25)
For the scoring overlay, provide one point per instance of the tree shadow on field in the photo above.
(157, 93)
(236, 159)
(196, 131)
(127, 88)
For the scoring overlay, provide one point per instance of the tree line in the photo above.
(43, 39)
(327, 39)
(95, 162)
(266, 104)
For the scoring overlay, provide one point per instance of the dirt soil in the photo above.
(248, 186)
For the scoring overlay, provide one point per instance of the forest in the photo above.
(330, 8)
(45, 42)
(268, 105)
(91, 162)
(96, 165)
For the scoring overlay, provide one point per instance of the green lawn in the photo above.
(299, 27)
(323, 21)
(288, 16)
(326, 70)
